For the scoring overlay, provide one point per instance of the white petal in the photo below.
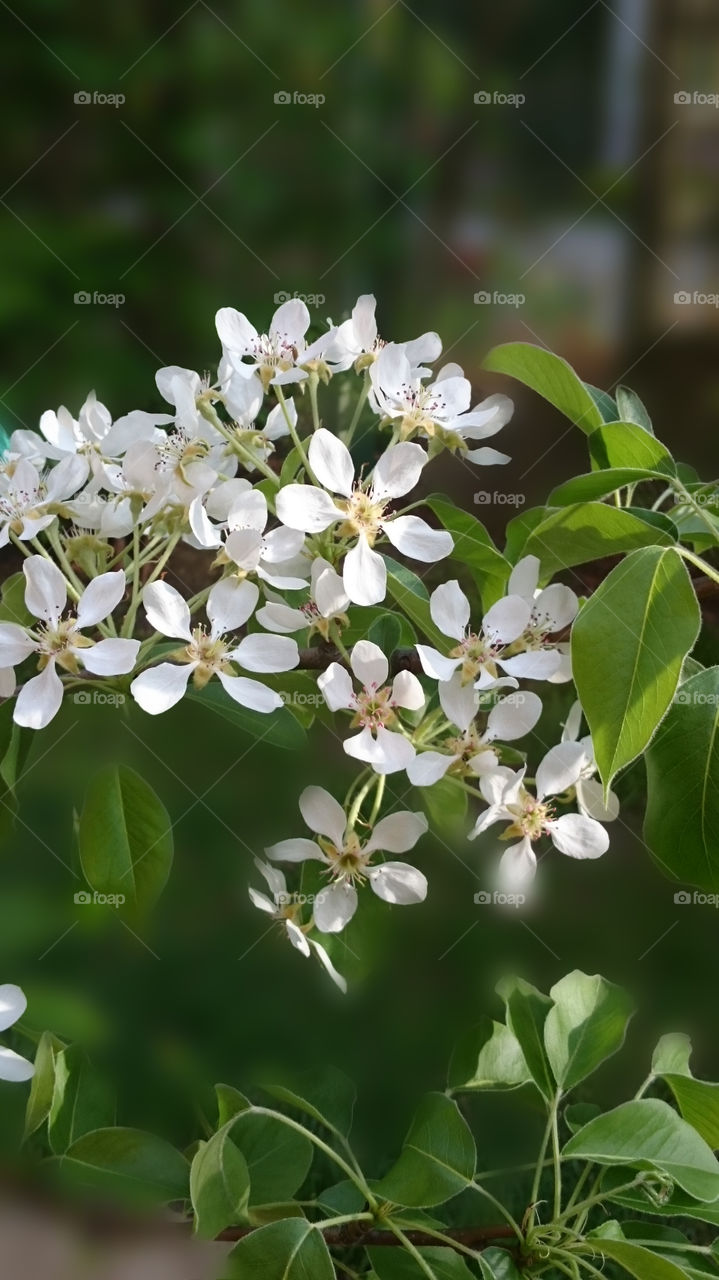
(110, 657)
(328, 589)
(15, 644)
(494, 813)
(387, 752)
(250, 693)
(166, 611)
(573, 722)
(244, 547)
(331, 462)
(297, 938)
(536, 664)
(7, 682)
(513, 717)
(428, 767)
(486, 457)
(282, 544)
(494, 785)
(518, 864)
(161, 687)
(230, 603)
(274, 879)
(416, 539)
(45, 592)
(297, 850)
(327, 964)
(279, 617)
(248, 511)
(335, 907)
(450, 610)
(369, 664)
(434, 664)
(364, 574)
(14, 1068)
(205, 532)
(13, 1004)
(590, 799)
(458, 701)
(555, 607)
(397, 883)
(39, 701)
(303, 506)
(100, 597)
(335, 685)
(506, 620)
(323, 814)
(262, 902)
(578, 836)
(398, 470)
(234, 329)
(291, 320)
(266, 653)
(397, 833)
(524, 577)
(560, 769)
(407, 691)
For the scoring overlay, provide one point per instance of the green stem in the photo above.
(584, 1205)
(295, 436)
(556, 1158)
(359, 800)
(699, 563)
(696, 507)
(541, 1161)
(313, 381)
(378, 796)
(341, 1163)
(482, 1191)
(414, 1252)
(361, 401)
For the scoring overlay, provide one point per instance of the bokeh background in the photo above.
(535, 172)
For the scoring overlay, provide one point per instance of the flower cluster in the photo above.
(299, 539)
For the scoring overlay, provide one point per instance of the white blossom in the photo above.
(380, 741)
(12, 1006)
(281, 908)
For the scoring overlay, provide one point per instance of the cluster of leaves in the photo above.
(284, 1181)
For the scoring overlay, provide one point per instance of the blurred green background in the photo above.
(593, 199)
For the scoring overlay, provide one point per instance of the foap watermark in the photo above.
(496, 298)
(288, 899)
(95, 697)
(695, 98)
(296, 98)
(297, 698)
(695, 298)
(309, 299)
(483, 498)
(689, 698)
(495, 98)
(84, 98)
(83, 298)
(498, 898)
(84, 898)
(693, 898)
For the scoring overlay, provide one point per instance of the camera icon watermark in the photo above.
(684, 98)
(84, 98)
(96, 697)
(695, 898)
(85, 898)
(83, 298)
(285, 98)
(483, 498)
(498, 898)
(309, 299)
(494, 98)
(496, 298)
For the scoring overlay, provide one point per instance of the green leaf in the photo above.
(403, 586)
(639, 1262)
(604, 402)
(682, 814)
(497, 1264)
(438, 1158)
(328, 1096)
(12, 601)
(445, 804)
(698, 1100)
(622, 444)
(648, 1134)
(527, 1010)
(588, 531)
(586, 1025)
(579, 1114)
(628, 645)
(519, 529)
(229, 1103)
(82, 1100)
(551, 377)
(219, 1185)
(386, 632)
(125, 837)
(277, 1156)
(128, 1161)
(42, 1084)
(278, 728)
(287, 1250)
(488, 1057)
(598, 484)
(473, 547)
(631, 409)
(676, 1205)
(396, 1264)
